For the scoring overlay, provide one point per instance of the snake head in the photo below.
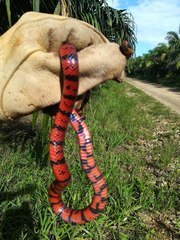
(126, 49)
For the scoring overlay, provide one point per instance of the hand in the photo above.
(30, 67)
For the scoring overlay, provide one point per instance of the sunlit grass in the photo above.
(135, 146)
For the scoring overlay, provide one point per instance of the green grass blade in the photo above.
(8, 9)
(57, 9)
(36, 5)
(45, 128)
(34, 118)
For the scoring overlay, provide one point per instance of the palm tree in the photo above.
(173, 63)
(173, 39)
(161, 64)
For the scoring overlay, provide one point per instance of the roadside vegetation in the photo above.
(161, 64)
(136, 145)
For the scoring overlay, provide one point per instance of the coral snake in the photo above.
(66, 113)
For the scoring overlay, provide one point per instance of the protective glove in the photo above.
(30, 65)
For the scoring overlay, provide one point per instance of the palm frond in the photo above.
(116, 25)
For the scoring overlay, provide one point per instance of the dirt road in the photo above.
(170, 97)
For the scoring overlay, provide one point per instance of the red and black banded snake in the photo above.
(66, 113)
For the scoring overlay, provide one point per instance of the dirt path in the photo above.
(170, 97)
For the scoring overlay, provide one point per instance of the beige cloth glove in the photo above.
(30, 67)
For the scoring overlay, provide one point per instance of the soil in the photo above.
(168, 96)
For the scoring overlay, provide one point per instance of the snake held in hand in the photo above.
(66, 113)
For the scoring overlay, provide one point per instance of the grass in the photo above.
(136, 145)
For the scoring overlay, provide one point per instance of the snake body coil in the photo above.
(69, 63)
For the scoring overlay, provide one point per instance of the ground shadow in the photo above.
(158, 85)
(21, 135)
(8, 196)
(17, 133)
(16, 220)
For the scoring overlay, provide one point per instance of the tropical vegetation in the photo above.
(115, 24)
(161, 64)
